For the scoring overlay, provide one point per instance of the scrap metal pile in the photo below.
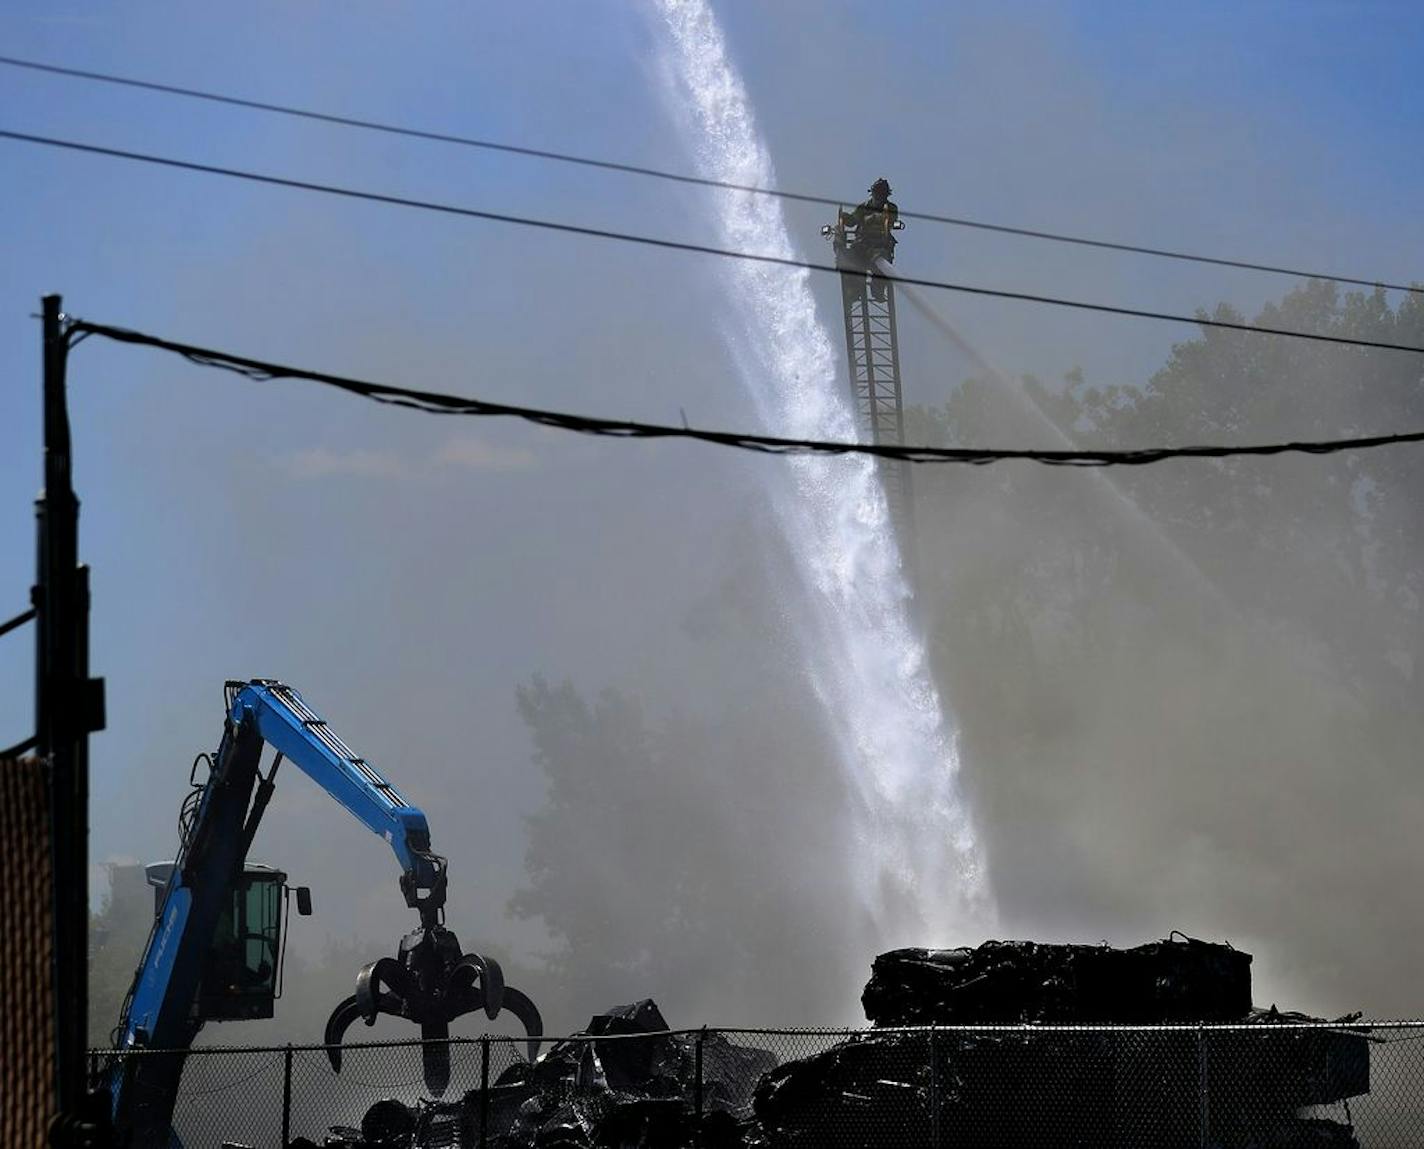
(631, 1083)
(1093, 1086)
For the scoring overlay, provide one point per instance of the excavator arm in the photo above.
(293, 729)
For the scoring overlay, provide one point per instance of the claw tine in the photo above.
(528, 1014)
(368, 985)
(336, 1026)
(462, 1000)
(494, 988)
(471, 964)
(490, 976)
(435, 1054)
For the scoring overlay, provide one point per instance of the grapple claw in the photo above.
(431, 983)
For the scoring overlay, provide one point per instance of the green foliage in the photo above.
(666, 861)
(1180, 683)
(622, 865)
(117, 933)
(1347, 526)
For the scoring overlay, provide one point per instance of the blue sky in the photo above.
(407, 573)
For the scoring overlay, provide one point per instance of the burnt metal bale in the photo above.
(636, 1121)
(1260, 1077)
(1006, 982)
(569, 1126)
(1311, 1133)
(1325, 1064)
(923, 1089)
(629, 1061)
(871, 1089)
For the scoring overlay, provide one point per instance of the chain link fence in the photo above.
(1255, 1086)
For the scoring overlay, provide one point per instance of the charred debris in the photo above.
(627, 1081)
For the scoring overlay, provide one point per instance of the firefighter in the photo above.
(875, 222)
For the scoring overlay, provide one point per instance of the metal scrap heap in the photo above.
(634, 1083)
(1009, 1083)
(1006, 1044)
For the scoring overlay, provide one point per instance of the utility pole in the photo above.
(69, 705)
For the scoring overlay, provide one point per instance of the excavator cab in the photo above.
(242, 970)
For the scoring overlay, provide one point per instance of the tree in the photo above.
(1348, 524)
(670, 861)
(117, 934)
(1187, 690)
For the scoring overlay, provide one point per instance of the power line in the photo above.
(436, 403)
(684, 245)
(673, 177)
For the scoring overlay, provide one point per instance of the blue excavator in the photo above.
(215, 951)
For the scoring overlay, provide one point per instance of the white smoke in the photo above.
(918, 863)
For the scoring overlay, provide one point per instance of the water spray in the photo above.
(916, 861)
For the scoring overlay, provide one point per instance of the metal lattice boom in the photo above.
(873, 353)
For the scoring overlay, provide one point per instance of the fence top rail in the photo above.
(1259, 1028)
(1105, 1027)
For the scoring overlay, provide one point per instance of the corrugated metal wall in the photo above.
(26, 955)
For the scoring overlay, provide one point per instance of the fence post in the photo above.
(484, 1091)
(697, 1088)
(934, 1090)
(1203, 1108)
(287, 1097)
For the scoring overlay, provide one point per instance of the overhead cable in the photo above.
(684, 245)
(440, 404)
(673, 177)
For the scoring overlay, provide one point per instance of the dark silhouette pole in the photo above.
(68, 706)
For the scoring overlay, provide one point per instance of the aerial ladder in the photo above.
(215, 951)
(863, 239)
